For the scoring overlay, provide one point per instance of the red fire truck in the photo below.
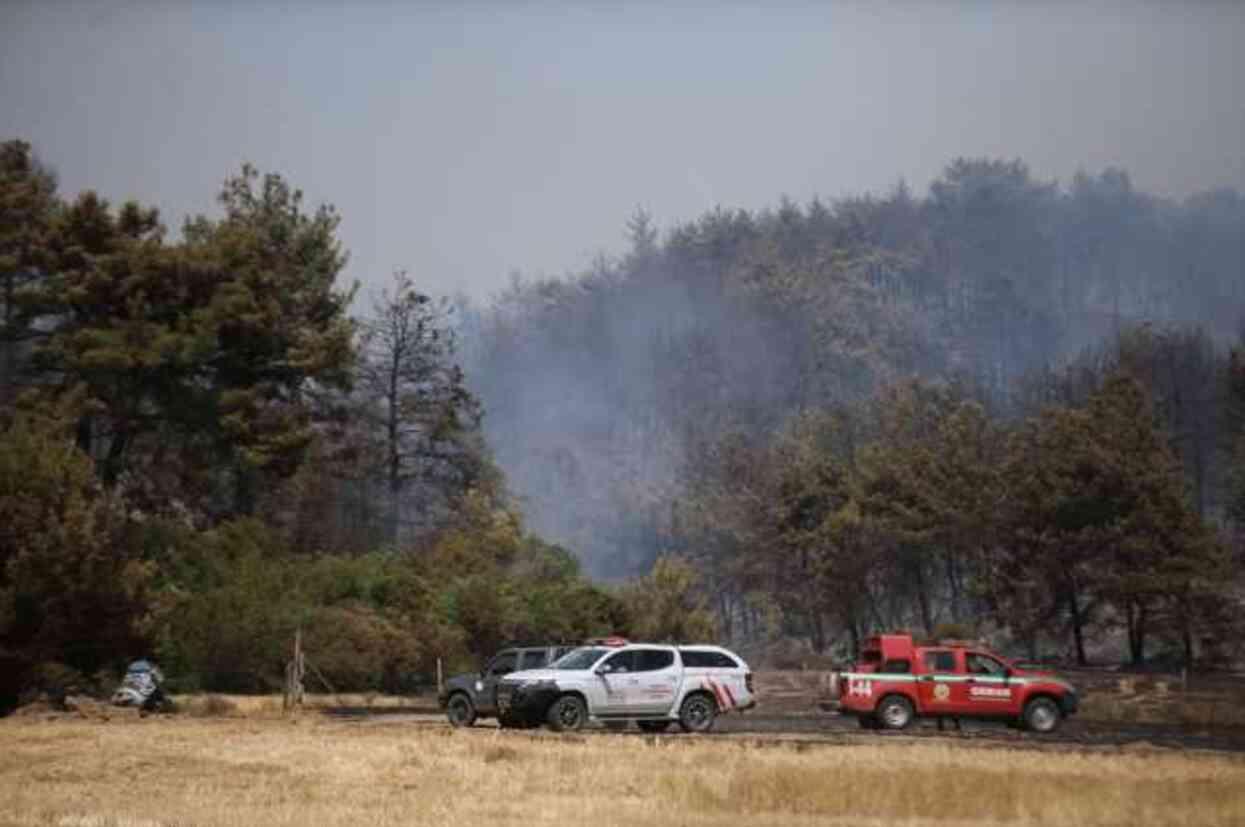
(898, 680)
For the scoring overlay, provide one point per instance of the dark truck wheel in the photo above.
(653, 726)
(460, 711)
(1042, 715)
(697, 713)
(895, 712)
(568, 714)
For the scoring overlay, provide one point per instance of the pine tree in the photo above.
(28, 207)
(1099, 516)
(423, 423)
(198, 360)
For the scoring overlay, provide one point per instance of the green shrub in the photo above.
(74, 590)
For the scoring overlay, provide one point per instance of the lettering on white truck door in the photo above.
(616, 680)
(656, 678)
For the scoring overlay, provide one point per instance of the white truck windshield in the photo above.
(580, 658)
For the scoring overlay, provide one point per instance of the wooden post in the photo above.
(300, 667)
(294, 671)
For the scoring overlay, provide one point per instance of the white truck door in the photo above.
(613, 678)
(656, 682)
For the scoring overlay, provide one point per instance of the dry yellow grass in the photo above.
(272, 705)
(308, 771)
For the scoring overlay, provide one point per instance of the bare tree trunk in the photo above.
(953, 584)
(1137, 615)
(1186, 635)
(817, 629)
(1078, 621)
(922, 597)
(393, 521)
(725, 615)
(853, 631)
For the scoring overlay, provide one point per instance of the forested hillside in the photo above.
(851, 414)
(203, 451)
(1003, 407)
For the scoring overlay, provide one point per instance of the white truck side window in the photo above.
(651, 660)
(619, 662)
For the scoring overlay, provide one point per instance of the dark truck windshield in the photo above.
(579, 658)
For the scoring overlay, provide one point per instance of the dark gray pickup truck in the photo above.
(473, 695)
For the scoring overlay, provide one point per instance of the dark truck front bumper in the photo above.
(525, 704)
(1068, 703)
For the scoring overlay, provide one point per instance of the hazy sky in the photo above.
(462, 141)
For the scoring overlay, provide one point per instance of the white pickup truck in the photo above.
(654, 685)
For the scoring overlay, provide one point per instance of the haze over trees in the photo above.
(1007, 405)
(821, 402)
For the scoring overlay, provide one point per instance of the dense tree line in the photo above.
(919, 509)
(1007, 406)
(618, 397)
(201, 450)
(737, 320)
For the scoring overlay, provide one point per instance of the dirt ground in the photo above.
(1117, 710)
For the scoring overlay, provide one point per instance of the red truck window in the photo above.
(940, 661)
(979, 664)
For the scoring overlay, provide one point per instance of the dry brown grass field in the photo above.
(177, 770)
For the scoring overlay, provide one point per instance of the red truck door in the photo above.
(940, 686)
(989, 690)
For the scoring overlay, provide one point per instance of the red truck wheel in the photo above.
(1042, 715)
(895, 712)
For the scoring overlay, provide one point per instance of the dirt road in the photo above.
(835, 729)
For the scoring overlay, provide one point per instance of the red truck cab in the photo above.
(897, 681)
